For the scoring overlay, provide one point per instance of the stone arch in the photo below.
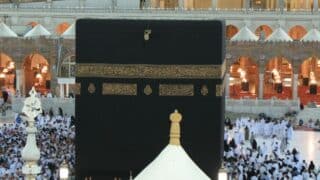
(244, 78)
(36, 73)
(263, 31)
(62, 27)
(309, 78)
(7, 73)
(297, 32)
(278, 78)
(231, 31)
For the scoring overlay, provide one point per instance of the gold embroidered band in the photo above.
(119, 89)
(149, 71)
(176, 90)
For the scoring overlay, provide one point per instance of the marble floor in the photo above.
(308, 143)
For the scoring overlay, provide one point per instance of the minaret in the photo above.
(31, 153)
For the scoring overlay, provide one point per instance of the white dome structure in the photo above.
(5, 31)
(245, 34)
(70, 33)
(279, 35)
(312, 36)
(38, 30)
(173, 163)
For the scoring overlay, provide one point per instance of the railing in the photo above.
(272, 107)
(109, 9)
(66, 104)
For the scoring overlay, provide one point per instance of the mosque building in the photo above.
(272, 48)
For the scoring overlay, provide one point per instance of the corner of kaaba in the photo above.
(132, 75)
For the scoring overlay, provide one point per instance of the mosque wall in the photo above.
(19, 49)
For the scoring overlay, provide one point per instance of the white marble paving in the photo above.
(308, 143)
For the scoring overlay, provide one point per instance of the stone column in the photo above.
(272, 6)
(23, 84)
(181, 4)
(214, 4)
(67, 90)
(244, 2)
(281, 5)
(49, 3)
(147, 4)
(295, 86)
(61, 91)
(82, 3)
(315, 5)
(261, 83)
(247, 4)
(19, 76)
(227, 84)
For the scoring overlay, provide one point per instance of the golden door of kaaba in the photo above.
(132, 74)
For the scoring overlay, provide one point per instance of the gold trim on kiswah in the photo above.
(219, 90)
(149, 71)
(123, 89)
(91, 88)
(77, 89)
(176, 90)
(223, 68)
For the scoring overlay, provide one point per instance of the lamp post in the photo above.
(31, 153)
(64, 171)
(223, 173)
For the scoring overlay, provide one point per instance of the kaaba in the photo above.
(131, 75)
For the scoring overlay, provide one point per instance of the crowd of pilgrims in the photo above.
(55, 139)
(272, 159)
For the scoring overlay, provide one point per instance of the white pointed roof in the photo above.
(38, 30)
(279, 35)
(5, 31)
(70, 33)
(245, 34)
(173, 163)
(312, 35)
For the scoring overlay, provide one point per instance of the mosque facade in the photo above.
(275, 55)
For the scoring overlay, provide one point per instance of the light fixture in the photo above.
(147, 33)
(244, 80)
(313, 80)
(38, 76)
(11, 65)
(223, 173)
(2, 75)
(64, 171)
(5, 70)
(44, 69)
